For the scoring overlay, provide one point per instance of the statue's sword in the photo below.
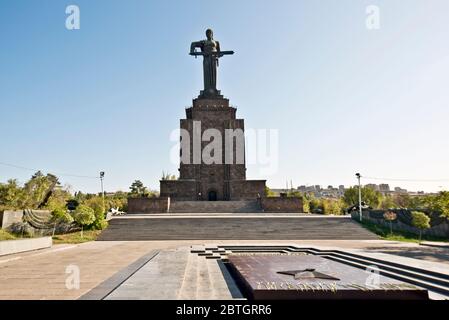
(214, 53)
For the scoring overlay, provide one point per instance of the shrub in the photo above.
(96, 204)
(84, 216)
(421, 221)
(439, 203)
(269, 193)
(331, 206)
(306, 206)
(61, 215)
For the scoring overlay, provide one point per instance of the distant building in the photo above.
(333, 192)
(400, 190)
(341, 190)
(372, 186)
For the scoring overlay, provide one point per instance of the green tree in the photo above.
(332, 206)
(138, 189)
(268, 192)
(387, 202)
(402, 200)
(371, 197)
(96, 204)
(316, 205)
(58, 199)
(439, 203)
(11, 195)
(38, 189)
(60, 215)
(84, 216)
(421, 221)
(306, 206)
(118, 200)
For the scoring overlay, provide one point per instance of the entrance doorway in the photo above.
(212, 195)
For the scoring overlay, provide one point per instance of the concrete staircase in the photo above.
(234, 228)
(247, 206)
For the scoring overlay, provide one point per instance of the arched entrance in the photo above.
(212, 195)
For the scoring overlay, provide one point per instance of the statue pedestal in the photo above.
(210, 94)
(221, 180)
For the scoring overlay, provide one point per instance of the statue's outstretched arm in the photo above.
(196, 44)
(218, 48)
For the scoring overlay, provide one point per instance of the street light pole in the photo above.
(102, 188)
(360, 196)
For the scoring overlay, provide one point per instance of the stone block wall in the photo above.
(179, 189)
(282, 204)
(148, 205)
(247, 189)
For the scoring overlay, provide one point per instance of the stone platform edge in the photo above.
(23, 245)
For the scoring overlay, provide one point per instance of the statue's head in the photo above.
(209, 34)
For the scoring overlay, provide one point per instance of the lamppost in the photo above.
(102, 189)
(360, 196)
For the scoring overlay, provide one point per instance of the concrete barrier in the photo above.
(23, 245)
(8, 217)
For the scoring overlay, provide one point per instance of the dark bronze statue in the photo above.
(210, 50)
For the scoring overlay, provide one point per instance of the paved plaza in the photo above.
(165, 269)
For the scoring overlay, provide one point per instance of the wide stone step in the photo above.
(235, 228)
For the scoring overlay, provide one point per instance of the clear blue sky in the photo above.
(344, 98)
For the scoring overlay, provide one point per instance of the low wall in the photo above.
(8, 217)
(439, 226)
(281, 204)
(148, 205)
(23, 245)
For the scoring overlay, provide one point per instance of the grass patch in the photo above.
(75, 237)
(384, 233)
(6, 235)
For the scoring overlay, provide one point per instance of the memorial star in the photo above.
(307, 274)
